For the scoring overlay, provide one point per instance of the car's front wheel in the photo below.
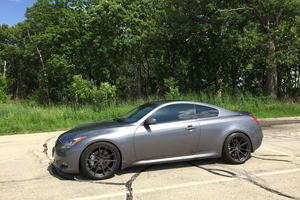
(100, 160)
(236, 148)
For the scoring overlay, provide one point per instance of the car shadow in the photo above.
(172, 165)
(57, 173)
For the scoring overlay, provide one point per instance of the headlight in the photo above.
(70, 143)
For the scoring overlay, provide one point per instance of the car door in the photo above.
(176, 133)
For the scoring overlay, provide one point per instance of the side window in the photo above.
(204, 112)
(172, 113)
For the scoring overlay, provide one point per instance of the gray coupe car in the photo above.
(158, 132)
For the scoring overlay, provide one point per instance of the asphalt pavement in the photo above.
(273, 172)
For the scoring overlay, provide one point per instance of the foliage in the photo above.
(22, 116)
(81, 88)
(173, 92)
(85, 91)
(133, 49)
(105, 94)
(3, 87)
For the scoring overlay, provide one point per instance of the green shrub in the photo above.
(173, 90)
(86, 91)
(105, 94)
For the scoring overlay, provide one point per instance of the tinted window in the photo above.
(177, 112)
(204, 112)
(138, 113)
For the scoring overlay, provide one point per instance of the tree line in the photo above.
(96, 50)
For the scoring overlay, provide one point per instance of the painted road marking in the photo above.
(155, 189)
(278, 172)
(277, 151)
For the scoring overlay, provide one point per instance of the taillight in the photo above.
(255, 120)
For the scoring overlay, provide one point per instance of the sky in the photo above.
(12, 11)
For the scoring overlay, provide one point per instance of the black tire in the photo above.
(100, 161)
(236, 148)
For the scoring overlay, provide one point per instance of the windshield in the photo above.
(138, 113)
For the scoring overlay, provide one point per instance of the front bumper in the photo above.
(67, 160)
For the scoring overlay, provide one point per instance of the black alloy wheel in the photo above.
(100, 161)
(237, 148)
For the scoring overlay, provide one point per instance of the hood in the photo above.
(86, 129)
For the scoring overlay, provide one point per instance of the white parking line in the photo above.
(277, 151)
(184, 185)
(103, 196)
(278, 172)
(155, 189)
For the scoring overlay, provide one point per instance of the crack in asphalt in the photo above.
(31, 152)
(49, 139)
(278, 160)
(20, 181)
(56, 172)
(249, 179)
(129, 188)
(129, 183)
(45, 148)
(268, 189)
(45, 145)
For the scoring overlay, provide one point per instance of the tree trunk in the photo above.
(139, 72)
(76, 98)
(4, 69)
(139, 69)
(264, 19)
(234, 69)
(219, 82)
(149, 79)
(271, 78)
(127, 82)
(43, 66)
(174, 64)
(18, 85)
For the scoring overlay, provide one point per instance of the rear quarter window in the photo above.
(205, 112)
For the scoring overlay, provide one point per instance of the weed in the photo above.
(24, 117)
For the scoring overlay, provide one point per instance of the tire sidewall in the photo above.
(86, 153)
(225, 153)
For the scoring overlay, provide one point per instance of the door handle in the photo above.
(189, 127)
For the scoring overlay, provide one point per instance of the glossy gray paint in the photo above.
(150, 144)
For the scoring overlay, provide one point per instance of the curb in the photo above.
(268, 122)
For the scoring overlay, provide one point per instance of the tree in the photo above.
(269, 14)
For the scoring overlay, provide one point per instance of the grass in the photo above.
(19, 117)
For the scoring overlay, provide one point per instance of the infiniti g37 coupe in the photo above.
(158, 132)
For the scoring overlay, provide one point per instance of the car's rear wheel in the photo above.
(100, 160)
(237, 148)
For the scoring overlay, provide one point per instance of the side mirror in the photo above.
(150, 121)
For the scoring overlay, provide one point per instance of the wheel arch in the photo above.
(94, 142)
(239, 131)
(239, 156)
